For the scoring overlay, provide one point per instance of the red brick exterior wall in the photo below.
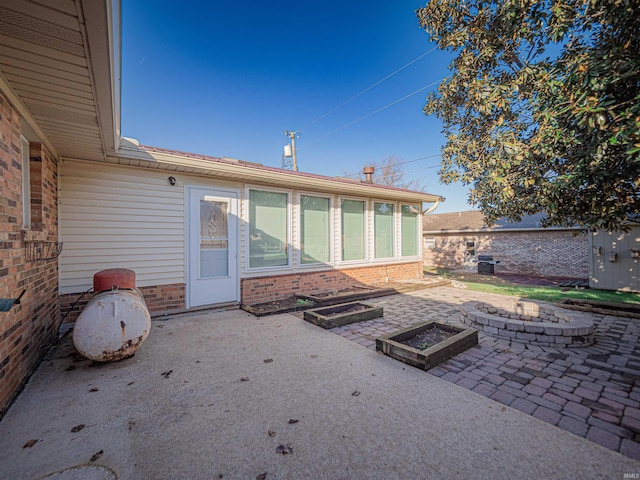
(168, 298)
(159, 299)
(28, 329)
(554, 253)
(276, 287)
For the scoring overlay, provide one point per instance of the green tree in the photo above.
(541, 111)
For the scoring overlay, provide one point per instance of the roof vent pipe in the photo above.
(368, 174)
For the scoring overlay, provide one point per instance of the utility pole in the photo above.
(293, 135)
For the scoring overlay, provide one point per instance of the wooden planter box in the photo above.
(332, 298)
(390, 344)
(342, 314)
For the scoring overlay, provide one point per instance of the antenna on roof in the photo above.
(290, 151)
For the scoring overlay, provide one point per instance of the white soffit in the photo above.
(56, 58)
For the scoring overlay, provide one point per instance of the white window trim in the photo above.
(418, 233)
(247, 240)
(430, 242)
(367, 239)
(396, 232)
(26, 183)
(331, 229)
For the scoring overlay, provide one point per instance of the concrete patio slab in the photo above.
(223, 395)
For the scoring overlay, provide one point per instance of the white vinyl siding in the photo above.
(123, 216)
(118, 217)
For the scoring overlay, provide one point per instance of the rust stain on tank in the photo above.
(122, 327)
(125, 351)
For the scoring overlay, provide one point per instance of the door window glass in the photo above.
(214, 239)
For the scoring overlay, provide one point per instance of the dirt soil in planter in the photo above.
(344, 291)
(293, 303)
(288, 304)
(428, 338)
(352, 309)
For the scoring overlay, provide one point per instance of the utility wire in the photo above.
(317, 119)
(401, 163)
(374, 112)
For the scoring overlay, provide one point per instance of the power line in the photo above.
(317, 119)
(374, 112)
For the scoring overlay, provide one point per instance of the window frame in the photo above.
(429, 241)
(394, 236)
(331, 213)
(366, 227)
(26, 182)
(418, 233)
(247, 233)
(470, 252)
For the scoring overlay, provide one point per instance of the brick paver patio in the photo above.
(593, 392)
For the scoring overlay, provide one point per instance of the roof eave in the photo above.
(259, 174)
(500, 230)
(103, 33)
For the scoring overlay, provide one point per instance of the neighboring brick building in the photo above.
(453, 240)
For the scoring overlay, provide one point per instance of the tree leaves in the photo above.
(542, 109)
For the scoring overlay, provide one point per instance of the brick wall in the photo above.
(28, 329)
(265, 289)
(165, 298)
(159, 299)
(555, 253)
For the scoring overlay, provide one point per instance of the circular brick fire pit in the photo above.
(540, 324)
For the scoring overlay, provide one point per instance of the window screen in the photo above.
(409, 230)
(353, 229)
(315, 245)
(267, 229)
(383, 229)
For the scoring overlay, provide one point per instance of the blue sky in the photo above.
(225, 78)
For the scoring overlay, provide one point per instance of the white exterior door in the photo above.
(212, 246)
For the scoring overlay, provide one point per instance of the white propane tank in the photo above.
(112, 326)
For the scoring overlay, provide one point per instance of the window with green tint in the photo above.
(268, 229)
(315, 244)
(409, 229)
(353, 229)
(383, 229)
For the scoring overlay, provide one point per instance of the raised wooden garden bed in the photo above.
(607, 308)
(305, 301)
(351, 294)
(397, 344)
(285, 305)
(342, 314)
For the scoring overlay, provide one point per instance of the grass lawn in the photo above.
(493, 284)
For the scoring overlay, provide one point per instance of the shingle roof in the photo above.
(474, 221)
(304, 176)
